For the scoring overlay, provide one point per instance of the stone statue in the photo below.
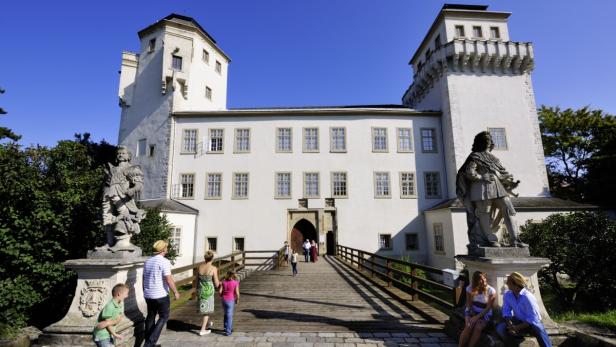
(121, 216)
(484, 186)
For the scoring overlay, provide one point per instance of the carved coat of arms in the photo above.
(92, 297)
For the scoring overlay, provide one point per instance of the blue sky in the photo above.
(59, 60)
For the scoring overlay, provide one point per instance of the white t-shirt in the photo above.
(481, 297)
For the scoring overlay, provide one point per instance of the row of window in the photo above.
(176, 60)
(311, 185)
(478, 32)
(412, 240)
(237, 244)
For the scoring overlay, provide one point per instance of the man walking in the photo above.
(306, 247)
(157, 280)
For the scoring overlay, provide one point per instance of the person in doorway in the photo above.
(478, 313)
(206, 283)
(306, 247)
(286, 252)
(314, 250)
(521, 312)
(294, 256)
(230, 295)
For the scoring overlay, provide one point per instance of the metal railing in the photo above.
(409, 280)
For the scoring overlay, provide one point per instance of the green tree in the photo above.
(154, 227)
(582, 246)
(4, 131)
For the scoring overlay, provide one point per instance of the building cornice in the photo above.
(308, 112)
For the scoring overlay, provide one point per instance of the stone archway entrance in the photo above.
(303, 230)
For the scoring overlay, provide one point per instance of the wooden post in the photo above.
(414, 284)
(389, 274)
(233, 263)
(360, 258)
(243, 259)
(372, 267)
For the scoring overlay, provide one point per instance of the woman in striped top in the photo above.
(479, 300)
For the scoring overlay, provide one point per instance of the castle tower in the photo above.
(179, 67)
(468, 68)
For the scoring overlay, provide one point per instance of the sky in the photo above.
(59, 60)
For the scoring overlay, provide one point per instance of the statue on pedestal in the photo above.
(484, 185)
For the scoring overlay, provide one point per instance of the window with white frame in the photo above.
(338, 139)
(238, 243)
(385, 241)
(212, 244)
(206, 56)
(433, 185)
(439, 242)
(242, 140)
(208, 93)
(428, 140)
(405, 140)
(499, 138)
(411, 241)
(176, 240)
(214, 186)
(311, 139)
(494, 33)
(382, 187)
(189, 142)
(339, 184)
(283, 140)
(176, 63)
(187, 182)
(311, 184)
(283, 185)
(141, 147)
(218, 67)
(477, 34)
(407, 185)
(216, 140)
(379, 139)
(151, 45)
(459, 31)
(240, 185)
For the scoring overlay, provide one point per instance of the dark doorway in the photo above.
(302, 230)
(331, 243)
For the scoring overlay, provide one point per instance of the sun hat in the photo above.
(160, 246)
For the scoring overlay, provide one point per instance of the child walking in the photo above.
(294, 262)
(104, 333)
(230, 294)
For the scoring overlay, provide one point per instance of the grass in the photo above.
(184, 296)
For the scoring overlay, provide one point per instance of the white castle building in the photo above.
(378, 178)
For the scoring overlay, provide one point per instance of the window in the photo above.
(412, 241)
(152, 45)
(238, 243)
(381, 185)
(283, 141)
(141, 147)
(477, 32)
(214, 186)
(176, 240)
(311, 139)
(499, 138)
(428, 140)
(311, 184)
(407, 185)
(283, 185)
(337, 139)
(240, 185)
(427, 55)
(433, 185)
(460, 31)
(439, 244)
(208, 93)
(384, 241)
(379, 139)
(216, 140)
(212, 244)
(242, 140)
(494, 33)
(188, 185)
(339, 184)
(218, 67)
(176, 63)
(206, 56)
(437, 42)
(189, 143)
(151, 151)
(405, 140)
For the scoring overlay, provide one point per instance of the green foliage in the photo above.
(154, 227)
(602, 319)
(4, 131)
(582, 246)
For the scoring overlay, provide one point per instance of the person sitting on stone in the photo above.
(478, 313)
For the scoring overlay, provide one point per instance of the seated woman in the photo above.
(479, 300)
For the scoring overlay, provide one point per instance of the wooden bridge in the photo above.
(353, 299)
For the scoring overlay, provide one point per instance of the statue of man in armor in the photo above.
(121, 216)
(484, 186)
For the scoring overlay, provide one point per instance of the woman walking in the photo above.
(314, 250)
(479, 300)
(206, 284)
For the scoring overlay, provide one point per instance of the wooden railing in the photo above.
(409, 281)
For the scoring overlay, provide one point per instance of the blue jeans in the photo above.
(104, 343)
(536, 330)
(228, 306)
(306, 255)
(294, 266)
(158, 307)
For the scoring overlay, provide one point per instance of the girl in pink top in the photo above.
(230, 294)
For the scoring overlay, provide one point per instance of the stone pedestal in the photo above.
(96, 278)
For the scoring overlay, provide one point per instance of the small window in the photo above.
(460, 31)
(428, 140)
(385, 241)
(427, 55)
(176, 240)
(206, 56)
(439, 243)
(407, 185)
(283, 185)
(189, 143)
(176, 63)
(240, 185)
(379, 139)
(141, 147)
(412, 241)
(477, 34)
(188, 185)
(152, 45)
(339, 184)
(437, 42)
(284, 142)
(337, 139)
(499, 138)
(218, 67)
(405, 140)
(494, 33)
(151, 150)
(311, 185)
(311, 139)
(208, 93)
(214, 186)
(212, 244)
(216, 140)
(242, 140)
(433, 185)
(238, 244)
(382, 186)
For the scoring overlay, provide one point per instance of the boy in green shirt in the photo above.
(111, 315)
